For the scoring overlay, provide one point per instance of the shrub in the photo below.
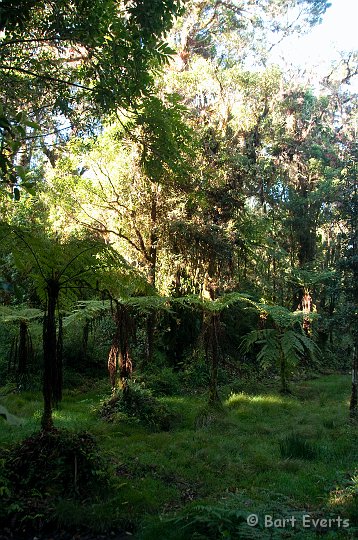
(138, 402)
(164, 383)
(197, 375)
(45, 467)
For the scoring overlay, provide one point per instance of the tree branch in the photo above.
(46, 77)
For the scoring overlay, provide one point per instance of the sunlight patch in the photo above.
(235, 399)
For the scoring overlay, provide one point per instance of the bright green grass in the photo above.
(235, 452)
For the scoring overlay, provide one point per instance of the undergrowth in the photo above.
(45, 467)
(261, 453)
(139, 403)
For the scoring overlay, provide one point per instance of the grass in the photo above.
(251, 456)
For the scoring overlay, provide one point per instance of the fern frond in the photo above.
(310, 346)
(255, 337)
(15, 314)
(292, 347)
(270, 353)
(148, 304)
(85, 311)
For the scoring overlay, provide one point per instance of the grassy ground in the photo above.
(262, 453)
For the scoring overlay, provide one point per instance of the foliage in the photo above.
(138, 402)
(102, 40)
(284, 344)
(21, 352)
(233, 31)
(234, 461)
(47, 466)
(204, 521)
(291, 344)
(13, 177)
(187, 200)
(165, 382)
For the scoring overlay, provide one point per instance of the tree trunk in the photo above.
(353, 407)
(153, 254)
(283, 374)
(113, 360)
(119, 355)
(51, 376)
(125, 361)
(214, 398)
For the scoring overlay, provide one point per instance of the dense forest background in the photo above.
(175, 209)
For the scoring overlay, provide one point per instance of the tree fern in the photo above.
(15, 314)
(87, 310)
(60, 272)
(282, 345)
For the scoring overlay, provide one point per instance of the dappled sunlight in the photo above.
(176, 399)
(346, 493)
(270, 399)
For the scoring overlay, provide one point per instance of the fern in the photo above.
(255, 336)
(282, 345)
(15, 314)
(87, 310)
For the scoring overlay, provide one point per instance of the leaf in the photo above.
(14, 145)
(33, 125)
(21, 171)
(4, 123)
(19, 117)
(256, 336)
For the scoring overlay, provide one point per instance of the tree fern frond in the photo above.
(280, 315)
(85, 311)
(149, 304)
(310, 346)
(269, 354)
(254, 337)
(9, 314)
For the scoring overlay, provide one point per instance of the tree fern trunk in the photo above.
(113, 360)
(214, 357)
(353, 406)
(23, 350)
(50, 353)
(283, 374)
(125, 361)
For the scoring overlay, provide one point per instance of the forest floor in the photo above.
(289, 460)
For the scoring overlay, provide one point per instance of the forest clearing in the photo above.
(213, 468)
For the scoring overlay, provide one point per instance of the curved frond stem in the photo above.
(73, 259)
(32, 252)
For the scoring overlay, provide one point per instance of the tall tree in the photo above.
(124, 185)
(232, 29)
(77, 60)
(350, 264)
